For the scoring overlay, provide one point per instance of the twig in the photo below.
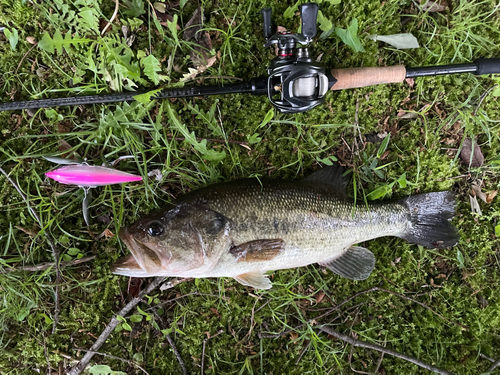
(171, 342)
(114, 357)
(114, 322)
(203, 351)
(117, 6)
(494, 366)
(26, 54)
(486, 357)
(363, 344)
(481, 99)
(46, 265)
(55, 250)
(303, 352)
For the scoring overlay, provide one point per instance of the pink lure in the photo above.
(86, 175)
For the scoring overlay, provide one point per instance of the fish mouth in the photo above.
(142, 261)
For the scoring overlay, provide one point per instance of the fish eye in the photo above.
(155, 228)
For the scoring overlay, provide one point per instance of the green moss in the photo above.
(290, 148)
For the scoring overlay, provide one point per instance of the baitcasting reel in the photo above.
(295, 82)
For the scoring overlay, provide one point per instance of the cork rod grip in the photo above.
(350, 78)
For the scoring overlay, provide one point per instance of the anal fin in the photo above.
(256, 280)
(356, 263)
(258, 250)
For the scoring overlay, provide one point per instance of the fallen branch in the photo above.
(114, 357)
(493, 366)
(79, 367)
(46, 265)
(376, 288)
(363, 344)
(55, 250)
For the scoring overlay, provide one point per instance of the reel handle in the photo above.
(309, 16)
(266, 16)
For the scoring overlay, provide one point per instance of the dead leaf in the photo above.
(474, 205)
(434, 6)
(134, 286)
(193, 25)
(194, 72)
(30, 232)
(320, 296)
(160, 7)
(108, 234)
(410, 82)
(31, 40)
(471, 154)
(294, 335)
(490, 196)
(403, 115)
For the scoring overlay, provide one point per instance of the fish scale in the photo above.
(319, 224)
(243, 228)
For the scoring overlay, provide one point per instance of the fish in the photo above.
(245, 228)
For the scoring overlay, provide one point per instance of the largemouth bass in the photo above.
(244, 228)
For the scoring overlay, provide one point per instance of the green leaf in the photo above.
(100, 370)
(182, 3)
(12, 37)
(383, 145)
(497, 230)
(73, 251)
(269, 116)
(172, 26)
(120, 318)
(254, 138)
(126, 326)
(147, 96)
(324, 23)
(135, 318)
(333, 2)
(402, 181)
(350, 36)
(135, 8)
(88, 19)
(151, 67)
(496, 92)
(138, 357)
(290, 11)
(379, 192)
(200, 146)
(460, 259)
(46, 43)
(167, 331)
(329, 160)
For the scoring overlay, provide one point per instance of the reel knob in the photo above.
(309, 15)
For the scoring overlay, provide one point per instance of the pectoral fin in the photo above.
(355, 264)
(258, 250)
(256, 280)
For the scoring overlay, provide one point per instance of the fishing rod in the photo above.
(295, 82)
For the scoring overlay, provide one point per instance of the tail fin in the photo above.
(430, 216)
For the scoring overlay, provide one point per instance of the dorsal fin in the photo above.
(331, 175)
